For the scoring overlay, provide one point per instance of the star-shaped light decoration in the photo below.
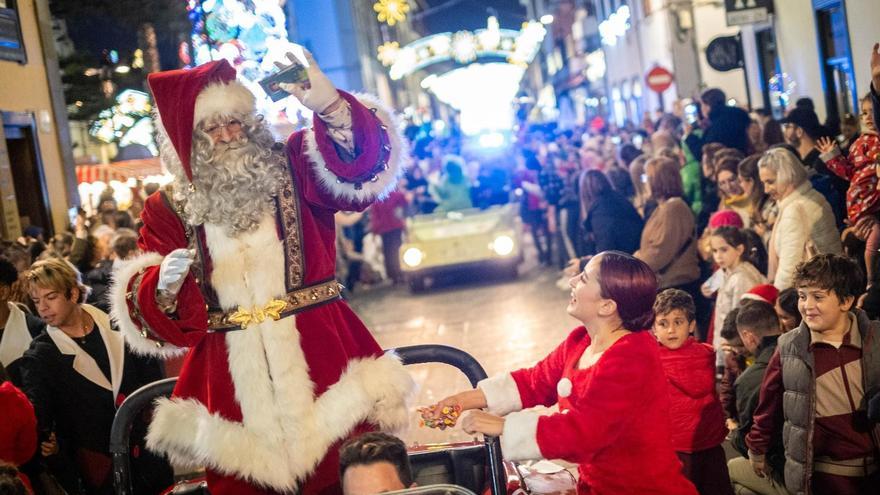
(387, 52)
(391, 11)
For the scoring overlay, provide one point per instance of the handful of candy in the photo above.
(447, 417)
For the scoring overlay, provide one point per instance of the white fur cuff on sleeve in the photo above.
(384, 181)
(519, 441)
(502, 394)
(119, 312)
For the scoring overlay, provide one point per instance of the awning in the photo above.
(121, 171)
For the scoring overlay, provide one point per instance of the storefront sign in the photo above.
(741, 12)
(659, 79)
(725, 53)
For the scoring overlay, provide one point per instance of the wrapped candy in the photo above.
(446, 419)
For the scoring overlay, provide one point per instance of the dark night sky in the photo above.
(472, 14)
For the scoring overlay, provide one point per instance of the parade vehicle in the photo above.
(470, 467)
(488, 240)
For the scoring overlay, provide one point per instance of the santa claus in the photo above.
(238, 274)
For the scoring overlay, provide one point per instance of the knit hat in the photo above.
(725, 218)
(763, 292)
(185, 97)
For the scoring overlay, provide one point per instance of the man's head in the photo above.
(801, 127)
(827, 286)
(674, 318)
(754, 321)
(56, 290)
(226, 164)
(374, 463)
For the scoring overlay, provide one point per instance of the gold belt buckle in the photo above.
(245, 318)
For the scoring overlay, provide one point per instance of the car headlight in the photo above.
(503, 245)
(413, 257)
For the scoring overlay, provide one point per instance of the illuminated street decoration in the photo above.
(494, 61)
(515, 47)
(391, 11)
(387, 52)
(615, 26)
(251, 35)
(126, 122)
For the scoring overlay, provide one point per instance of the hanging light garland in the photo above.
(387, 52)
(391, 11)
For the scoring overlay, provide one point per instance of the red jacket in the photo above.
(613, 418)
(695, 411)
(389, 214)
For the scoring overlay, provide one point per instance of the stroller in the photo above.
(453, 468)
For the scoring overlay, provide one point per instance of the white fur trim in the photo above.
(223, 99)
(502, 394)
(386, 180)
(563, 387)
(122, 275)
(285, 431)
(280, 457)
(519, 441)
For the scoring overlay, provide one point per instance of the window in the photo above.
(11, 42)
(836, 60)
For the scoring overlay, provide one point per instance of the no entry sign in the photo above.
(659, 79)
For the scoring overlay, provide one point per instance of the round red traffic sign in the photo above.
(659, 79)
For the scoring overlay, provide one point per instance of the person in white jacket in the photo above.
(805, 225)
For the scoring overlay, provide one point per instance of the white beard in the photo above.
(235, 187)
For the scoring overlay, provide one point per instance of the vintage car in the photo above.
(489, 239)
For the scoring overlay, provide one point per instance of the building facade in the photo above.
(37, 178)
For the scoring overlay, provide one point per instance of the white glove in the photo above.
(318, 92)
(173, 270)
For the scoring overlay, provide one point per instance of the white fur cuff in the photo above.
(386, 180)
(502, 394)
(519, 441)
(120, 314)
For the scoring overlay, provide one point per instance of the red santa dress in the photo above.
(265, 408)
(613, 416)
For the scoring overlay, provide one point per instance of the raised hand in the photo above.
(875, 66)
(825, 144)
(316, 94)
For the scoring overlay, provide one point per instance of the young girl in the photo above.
(737, 275)
(860, 169)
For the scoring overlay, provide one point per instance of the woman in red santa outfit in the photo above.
(606, 378)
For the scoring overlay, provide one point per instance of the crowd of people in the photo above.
(747, 246)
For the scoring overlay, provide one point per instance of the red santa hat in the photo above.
(185, 97)
(763, 292)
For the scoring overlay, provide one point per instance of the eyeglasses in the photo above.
(216, 130)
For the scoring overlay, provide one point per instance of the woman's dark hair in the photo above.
(4, 375)
(593, 184)
(773, 133)
(621, 181)
(714, 98)
(8, 273)
(632, 284)
(748, 169)
(788, 301)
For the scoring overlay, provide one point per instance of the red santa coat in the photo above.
(270, 404)
(612, 419)
(694, 407)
